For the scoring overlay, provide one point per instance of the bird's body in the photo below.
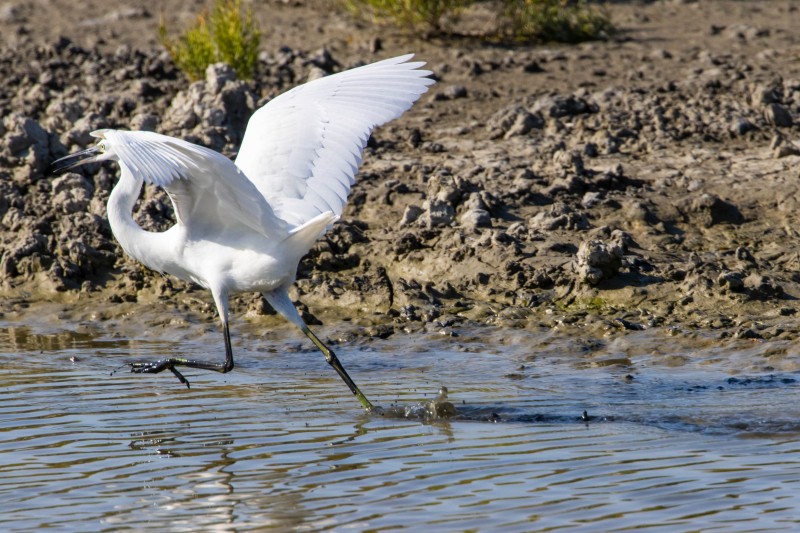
(208, 245)
(244, 226)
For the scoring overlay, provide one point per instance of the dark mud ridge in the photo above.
(660, 191)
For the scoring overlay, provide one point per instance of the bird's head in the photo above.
(99, 152)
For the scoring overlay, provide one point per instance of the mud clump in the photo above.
(709, 210)
(530, 186)
(597, 260)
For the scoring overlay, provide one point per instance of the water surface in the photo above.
(674, 438)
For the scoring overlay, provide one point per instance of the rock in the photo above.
(744, 32)
(411, 214)
(323, 60)
(27, 244)
(740, 126)
(778, 115)
(712, 210)
(453, 92)
(569, 184)
(408, 242)
(744, 256)
(475, 201)
(30, 145)
(621, 240)
(590, 199)
(445, 187)
(144, 122)
(732, 281)
(597, 260)
(143, 89)
(569, 160)
(181, 114)
(11, 14)
(473, 219)
(375, 45)
(437, 213)
(80, 133)
(786, 150)
(563, 106)
(217, 75)
(532, 67)
(782, 148)
(215, 110)
(746, 333)
(22, 133)
(72, 193)
(523, 123)
(315, 73)
(559, 215)
(762, 287)
(763, 95)
(660, 53)
(512, 121)
(605, 142)
(640, 212)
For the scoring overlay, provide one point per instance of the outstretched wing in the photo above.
(207, 189)
(303, 148)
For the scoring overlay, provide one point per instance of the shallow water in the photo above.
(674, 438)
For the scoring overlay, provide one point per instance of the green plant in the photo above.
(516, 20)
(227, 34)
(411, 14)
(552, 20)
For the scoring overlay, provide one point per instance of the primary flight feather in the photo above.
(244, 226)
(302, 150)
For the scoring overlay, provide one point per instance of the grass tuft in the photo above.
(552, 20)
(516, 20)
(414, 15)
(228, 34)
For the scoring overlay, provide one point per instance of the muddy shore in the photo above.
(650, 180)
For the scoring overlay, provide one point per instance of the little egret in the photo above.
(244, 226)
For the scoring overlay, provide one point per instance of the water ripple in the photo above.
(281, 444)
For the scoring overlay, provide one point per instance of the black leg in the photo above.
(154, 367)
(332, 360)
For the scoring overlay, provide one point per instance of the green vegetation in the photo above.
(552, 20)
(515, 20)
(227, 34)
(595, 304)
(410, 14)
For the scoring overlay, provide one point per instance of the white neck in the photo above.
(145, 246)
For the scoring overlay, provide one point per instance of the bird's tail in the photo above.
(302, 238)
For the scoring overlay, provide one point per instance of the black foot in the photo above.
(154, 367)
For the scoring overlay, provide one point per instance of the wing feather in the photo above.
(303, 148)
(207, 189)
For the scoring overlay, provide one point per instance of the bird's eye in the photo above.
(102, 146)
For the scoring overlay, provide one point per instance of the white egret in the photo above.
(244, 226)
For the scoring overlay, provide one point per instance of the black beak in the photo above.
(73, 160)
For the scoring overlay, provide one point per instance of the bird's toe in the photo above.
(149, 367)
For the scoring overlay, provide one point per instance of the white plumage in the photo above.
(244, 226)
(302, 150)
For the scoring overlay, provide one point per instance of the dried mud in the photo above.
(649, 180)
